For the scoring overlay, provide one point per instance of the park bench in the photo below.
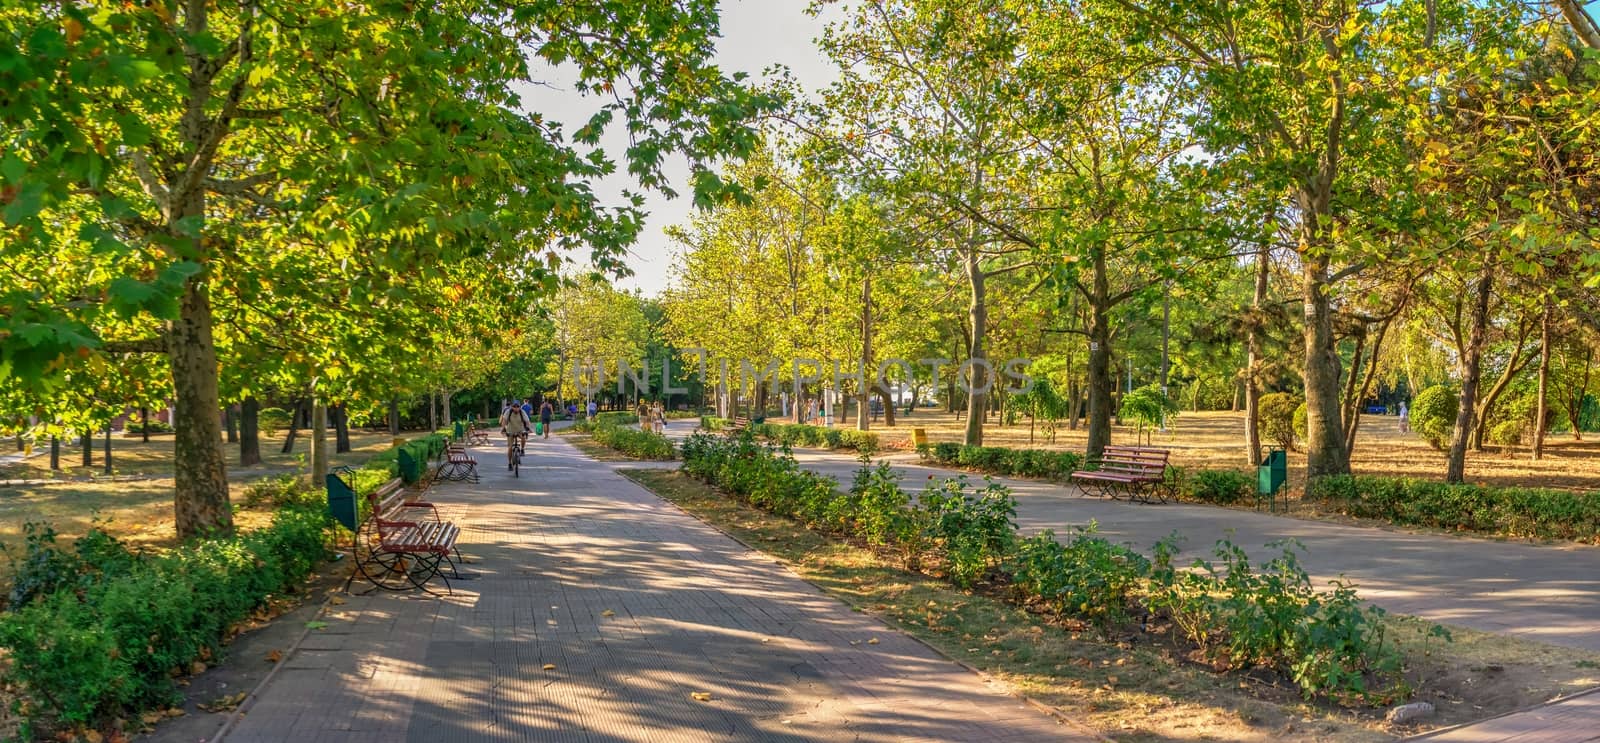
(739, 423)
(456, 464)
(402, 543)
(1136, 473)
(477, 436)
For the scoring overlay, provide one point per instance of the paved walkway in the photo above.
(637, 606)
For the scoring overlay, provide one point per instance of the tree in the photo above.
(152, 135)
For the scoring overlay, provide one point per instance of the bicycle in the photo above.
(515, 446)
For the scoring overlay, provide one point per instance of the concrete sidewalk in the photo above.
(598, 612)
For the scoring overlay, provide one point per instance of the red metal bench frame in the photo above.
(1137, 473)
(404, 548)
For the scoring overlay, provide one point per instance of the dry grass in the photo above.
(1136, 688)
(1215, 440)
(139, 510)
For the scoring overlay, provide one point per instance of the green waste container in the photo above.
(461, 430)
(1271, 475)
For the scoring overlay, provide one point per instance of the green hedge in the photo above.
(816, 437)
(1510, 512)
(1328, 642)
(1223, 487)
(120, 629)
(713, 423)
(999, 460)
(634, 442)
(616, 418)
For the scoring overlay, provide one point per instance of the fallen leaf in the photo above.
(608, 613)
(1111, 680)
(701, 696)
(873, 641)
(196, 668)
(93, 736)
(175, 712)
(336, 600)
(274, 656)
(316, 625)
(549, 666)
(150, 718)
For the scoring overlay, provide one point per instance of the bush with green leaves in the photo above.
(115, 636)
(616, 418)
(634, 442)
(997, 460)
(269, 421)
(817, 437)
(1433, 414)
(1328, 642)
(975, 532)
(1223, 487)
(139, 425)
(1275, 418)
(1502, 511)
(1086, 578)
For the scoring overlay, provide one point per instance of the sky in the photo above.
(756, 34)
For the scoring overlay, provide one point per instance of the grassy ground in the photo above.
(139, 510)
(1136, 687)
(1216, 440)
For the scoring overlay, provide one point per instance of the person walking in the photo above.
(659, 412)
(1405, 418)
(592, 409)
(546, 414)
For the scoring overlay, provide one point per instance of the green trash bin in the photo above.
(461, 430)
(1272, 473)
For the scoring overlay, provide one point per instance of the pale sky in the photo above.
(756, 34)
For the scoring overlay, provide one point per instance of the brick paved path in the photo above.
(637, 606)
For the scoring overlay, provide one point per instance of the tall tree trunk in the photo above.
(1324, 424)
(55, 452)
(433, 412)
(319, 441)
(448, 419)
(107, 451)
(249, 432)
(1101, 380)
(341, 428)
(88, 448)
(1471, 365)
(1542, 409)
(864, 386)
(888, 407)
(230, 421)
(978, 313)
(1252, 364)
(201, 501)
(295, 416)
(144, 419)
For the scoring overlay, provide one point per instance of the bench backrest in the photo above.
(388, 497)
(1134, 460)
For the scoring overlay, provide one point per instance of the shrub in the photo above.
(115, 644)
(1326, 641)
(1508, 432)
(1002, 461)
(616, 418)
(820, 437)
(279, 491)
(1219, 486)
(1433, 414)
(139, 425)
(1275, 416)
(269, 421)
(1087, 578)
(1510, 512)
(975, 532)
(635, 443)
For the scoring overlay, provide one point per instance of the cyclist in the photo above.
(515, 425)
